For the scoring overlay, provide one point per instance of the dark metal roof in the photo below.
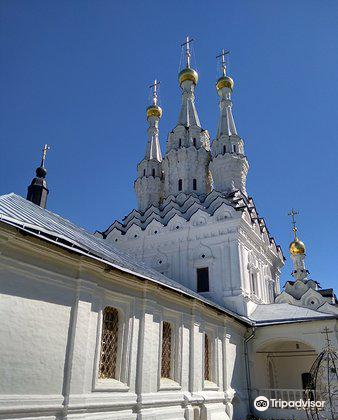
(28, 217)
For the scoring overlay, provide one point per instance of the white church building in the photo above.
(174, 313)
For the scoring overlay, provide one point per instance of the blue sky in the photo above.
(75, 74)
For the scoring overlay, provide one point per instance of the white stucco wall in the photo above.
(225, 242)
(51, 313)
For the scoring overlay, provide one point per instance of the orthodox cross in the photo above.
(186, 44)
(223, 54)
(154, 86)
(293, 213)
(326, 331)
(44, 153)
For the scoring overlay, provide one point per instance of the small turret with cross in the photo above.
(297, 251)
(37, 190)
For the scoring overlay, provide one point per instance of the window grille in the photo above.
(166, 350)
(109, 343)
(207, 366)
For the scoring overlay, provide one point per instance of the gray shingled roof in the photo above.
(21, 213)
(276, 313)
(26, 216)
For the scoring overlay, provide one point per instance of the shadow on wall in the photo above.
(238, 379)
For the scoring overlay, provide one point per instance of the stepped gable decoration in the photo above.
(195, 198)
(185, 206)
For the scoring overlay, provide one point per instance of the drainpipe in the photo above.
(248, 377)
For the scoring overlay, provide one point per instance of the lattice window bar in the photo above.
(166, 350)
(109, 343)
(207, 355)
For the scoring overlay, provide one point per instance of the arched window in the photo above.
(179, 142)
(194, 184)
(224, 149)
(144, 172)
(153, 172)
(234, 148)
(166, 350)
(180, 183)
(194, 141)
(207, 361)
(109, 343)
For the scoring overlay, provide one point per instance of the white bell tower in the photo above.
(149, 184)
(186, 162)
(229, 165)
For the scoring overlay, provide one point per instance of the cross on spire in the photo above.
(223, 54)
(326, 331)
(44, 153)
(293, 213)
(186, 44)
(154, 86)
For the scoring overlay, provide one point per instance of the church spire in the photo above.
(148, 185)
(224, 86)
(154, 114)
(229, 166)
(186, 162)
(37, 190)
(297, 251)
(188, 78)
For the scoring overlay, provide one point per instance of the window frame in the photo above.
(118, 362)
(214, 382)
(173, 383)
(171, 370)
(122, 376)
(196, 273)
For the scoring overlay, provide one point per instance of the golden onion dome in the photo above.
(188, 74)
(224, 81)
(297, 247)
(154, 111)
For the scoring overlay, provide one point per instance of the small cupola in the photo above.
(37, 191)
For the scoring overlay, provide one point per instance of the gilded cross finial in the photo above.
(294, 213)
(186, 44)
(44, 153)
(154, 87)
(223, 54)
